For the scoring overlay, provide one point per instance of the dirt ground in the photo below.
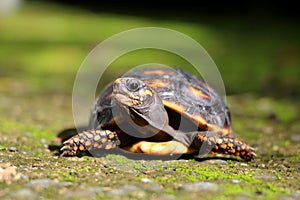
(28, 170)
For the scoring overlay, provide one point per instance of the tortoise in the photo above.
(162, 112)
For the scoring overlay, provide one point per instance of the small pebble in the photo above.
(166, 196)
(200, 187)
(24, 193)
(287, 197)
(12, 149)
(295, 138)
(295, 195)
(216, 161)
(235, 181)
(265, 177)
(45, 183)
(126, 189)
(84, 193)
(146, 180)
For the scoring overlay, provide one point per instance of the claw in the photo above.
(65, 142)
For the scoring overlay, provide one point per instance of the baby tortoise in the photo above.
(159, 111)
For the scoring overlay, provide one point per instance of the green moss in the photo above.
(165, 179)
(169, 191)
(117, 158)
(42, 134)
(21, 129)
(195, 174)
(67, 176)
(2, 148)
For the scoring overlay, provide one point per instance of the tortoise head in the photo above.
(132, 93)
(138, 101)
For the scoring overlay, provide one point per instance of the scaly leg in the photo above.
(90, 140)
(223, 145)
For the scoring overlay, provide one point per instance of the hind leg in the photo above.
(214, 143)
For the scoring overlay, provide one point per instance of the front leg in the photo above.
(90, 140)
(214, 143)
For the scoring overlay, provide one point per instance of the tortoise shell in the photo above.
(190, 103)
(177, 112)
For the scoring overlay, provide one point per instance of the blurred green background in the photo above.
(255, 46)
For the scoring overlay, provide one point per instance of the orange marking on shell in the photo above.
(76, 139)
(199, 120)
(243, 146)
(159, 71)
(75, 148)
(103, 140)
(173, 106)
(216, 147)
(109, 146)
(232, 151)
(196, 119)
(198, 93)
(157, 83)
(230, 145)
(216, 129)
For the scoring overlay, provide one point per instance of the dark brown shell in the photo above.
(190, 103)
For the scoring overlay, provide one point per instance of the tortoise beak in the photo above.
(120, 95)
(122, 99)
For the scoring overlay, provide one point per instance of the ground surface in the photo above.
(29, 169)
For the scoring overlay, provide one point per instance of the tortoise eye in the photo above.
(133, 85)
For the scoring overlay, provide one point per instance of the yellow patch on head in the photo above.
(146, 92)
